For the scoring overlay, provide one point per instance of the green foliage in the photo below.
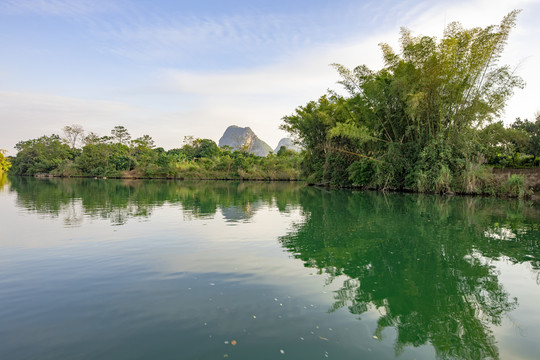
(498, 142)
(114, 156)
(5, 164)
(532, 132)
(516, 186)
(121, 135)
(206, 148)
(41, 155)
(283, 151)
(361, 172)
(413, 124)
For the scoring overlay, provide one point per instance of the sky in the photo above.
(172, 69)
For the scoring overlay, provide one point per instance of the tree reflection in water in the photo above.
(121, 200)
(423, 261)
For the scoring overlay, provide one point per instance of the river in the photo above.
(133, 269)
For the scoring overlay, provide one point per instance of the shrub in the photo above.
(515, 186)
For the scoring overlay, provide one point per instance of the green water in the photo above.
(111, 269)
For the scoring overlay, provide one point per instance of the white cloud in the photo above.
(30, 115)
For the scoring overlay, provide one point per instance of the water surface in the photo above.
(210, 270)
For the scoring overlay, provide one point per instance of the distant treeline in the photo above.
(117, 155)
(425, 122)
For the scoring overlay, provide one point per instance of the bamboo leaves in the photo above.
(432, 95)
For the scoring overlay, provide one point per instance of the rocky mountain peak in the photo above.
(288, 143)
(240, 138)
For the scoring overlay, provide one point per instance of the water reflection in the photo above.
(4, 181)
(121, 200)
(424, 262)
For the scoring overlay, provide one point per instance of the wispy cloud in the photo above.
(237, 38)
(55, 7)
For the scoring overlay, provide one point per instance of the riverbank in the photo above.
(503, 182)
(243, 176)
(497, 182)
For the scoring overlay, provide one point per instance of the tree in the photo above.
(501, 143)
(121, 135)
(413, 122)
(144, 141)
(72, 134)
(433, 88)
(199, 148)
(5, 165)
(42, 155)
(91, 139)
(206, 148)
(532, 129)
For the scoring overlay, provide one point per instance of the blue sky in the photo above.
(176, 68)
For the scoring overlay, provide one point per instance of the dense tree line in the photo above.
(424, 122)
(117, 155)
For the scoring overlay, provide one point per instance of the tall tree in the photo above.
(412, 123)
(144, 141)
(121, 135)
(73, 134)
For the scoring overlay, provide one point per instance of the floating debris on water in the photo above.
(301, 338)
(233, 343)
(323, 338)
(282, 351)
(375, 337)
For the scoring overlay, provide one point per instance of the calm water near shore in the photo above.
(119, 269)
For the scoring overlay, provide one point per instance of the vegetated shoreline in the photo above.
(506, 182)
(137, 177)
(527, 185)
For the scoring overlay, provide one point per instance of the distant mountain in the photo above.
(288, 143)
(244, 138)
